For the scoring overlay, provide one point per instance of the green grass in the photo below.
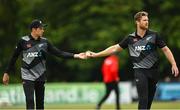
(155, 105)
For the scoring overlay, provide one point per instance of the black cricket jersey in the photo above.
(143, 51)
(34, 57)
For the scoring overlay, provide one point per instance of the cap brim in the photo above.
(44, 25)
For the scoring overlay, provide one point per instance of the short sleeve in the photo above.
(124, 43)
(160, 42)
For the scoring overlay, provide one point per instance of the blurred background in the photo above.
(79, 25)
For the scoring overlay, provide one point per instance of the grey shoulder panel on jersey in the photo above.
(132, 34)
(26, 38)
(43, 38)
(152, 31)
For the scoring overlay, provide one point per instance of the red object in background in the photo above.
(110, 69)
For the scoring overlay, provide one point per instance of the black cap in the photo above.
(37, 23)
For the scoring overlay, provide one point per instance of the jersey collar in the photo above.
(136, 35)
(30, 36)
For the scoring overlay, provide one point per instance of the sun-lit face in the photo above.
(143, 23)
(38, 31)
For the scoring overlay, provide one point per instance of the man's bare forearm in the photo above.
(110, 50)
(169, 55)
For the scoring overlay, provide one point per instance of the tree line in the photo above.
(79, 25)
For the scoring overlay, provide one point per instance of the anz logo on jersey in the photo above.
(33, 54)
(143, 48)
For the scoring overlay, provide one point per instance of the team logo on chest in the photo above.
(148, 38)
(28, 45)
(32, 54)
(135, 40)
(40, 45)
(141, 48)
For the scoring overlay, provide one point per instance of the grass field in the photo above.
(156, 105)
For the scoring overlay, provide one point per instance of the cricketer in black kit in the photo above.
(34, 48)
(142, 45)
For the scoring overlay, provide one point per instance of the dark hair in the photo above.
(36, 23)
(139, 14)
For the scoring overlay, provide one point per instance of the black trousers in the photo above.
(109, 87)
(31, 87)
(146, 87)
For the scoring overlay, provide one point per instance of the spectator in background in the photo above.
(110, 70)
